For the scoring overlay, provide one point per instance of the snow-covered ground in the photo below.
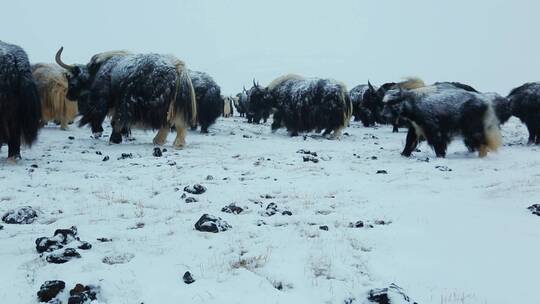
(460, 236)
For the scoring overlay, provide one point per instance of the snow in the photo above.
(459, 236)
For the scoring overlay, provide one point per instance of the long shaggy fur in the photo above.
(20, 107)
(525, 104)
(146, 90)
(228, 109)
(367, 105)
(440, 112)
(304, 105)
(391, 114)
(209, 101)
(52, 86)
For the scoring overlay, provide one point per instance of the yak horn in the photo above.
(59, 61)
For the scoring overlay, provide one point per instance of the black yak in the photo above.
(228, 110)
(304, 104)
(52, 86)
(367, 104)
(437, 113)
(240, 103)
(209, 101)
(525, 105)
(391, 114)
(148, 90)
(20, 107)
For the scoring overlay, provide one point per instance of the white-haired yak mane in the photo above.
(52, 88)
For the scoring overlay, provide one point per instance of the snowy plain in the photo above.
(461, 236)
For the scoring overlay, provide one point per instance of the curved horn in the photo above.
(255, 83)
(59, 61)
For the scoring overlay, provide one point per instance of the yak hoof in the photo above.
(97, 134)
(159, 141)
(179, 144)
(13, 159)
(116, 138)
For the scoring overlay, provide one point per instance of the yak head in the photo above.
(78, 78)
(393, 101)
(259, 100)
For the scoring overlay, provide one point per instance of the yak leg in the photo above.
(411, 142)
(532, 133)
(64, 123)
(14, 148)
(180, 125)
(483, 151)
(161, 136)
(440, 148)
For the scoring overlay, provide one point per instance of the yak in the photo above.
(148, 90)
(240, 103)
(20, 107)
(209, 101)
(367, 104)
(437, 113)
(52, 86)
(228, 110)
(525, 105)
(304, 104)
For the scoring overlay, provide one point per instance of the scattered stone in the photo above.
(195, 189)
(261, 223)
(118, 259)
(34, 166)
(374, 157)
(267, 196)
(323, 227)
(307, 152)
(71, 137)
(382, 222)
(1, 227)
(81, 294)
(188, 278)
(157, 152)
(271, 209)
(309, 158)
(382, 172)
(232, 208)
(104, 240)
(247, 136)
(389, 295)
(210, 223)
(535, 209)
(443, 168)
(286, 212)
(106, 158)
(98, 153)
(171, 163)
(125, 156)
(59, 257)
(190, 200)
(209, 177)
(21, 215)
(49, 290)
(164, 150)
(357, 224)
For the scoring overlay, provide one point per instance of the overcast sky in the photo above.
(490, 44)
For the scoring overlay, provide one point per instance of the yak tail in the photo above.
(186, 99)
(29, 108)
(492, 131)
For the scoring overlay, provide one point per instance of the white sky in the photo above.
(490, 44)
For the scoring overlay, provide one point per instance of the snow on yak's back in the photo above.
(52, 86)
(146, 90)
(304, 104)
(439, 112)
(20, 107)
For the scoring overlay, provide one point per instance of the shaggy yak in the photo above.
(367, 104)
(304, 104)
(439, 112)
(147, 90)
(52, 86)
(240, 103)
(20, 107)
(209, 101)
(525, 105)
(228, 110)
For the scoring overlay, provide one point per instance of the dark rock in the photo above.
(71, 137)
(374, 157)
(307, 152)
(190, 200)
(98, 153)
(286, 212)
(188, 278)
(261, 223)
(1, 227)
(164, 150)
(379, 296)
(171, 163)
(209, 177)
(63, 257)
(104, 240)
(309, 158)
(443, 168)
(388, 295)
(85, 246)
(125, 156)
(357, 224)
(535, 209)
(323, 227)
(195, 189)
(209, 223)
(183, 194)
(271, 209)
(49, 290)
(106, 158)
(81, 294)
(247, 136)
(382, 222)
(382, 172)
(34, 166)
(21, 215)
(157, 152)
(232, 208)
